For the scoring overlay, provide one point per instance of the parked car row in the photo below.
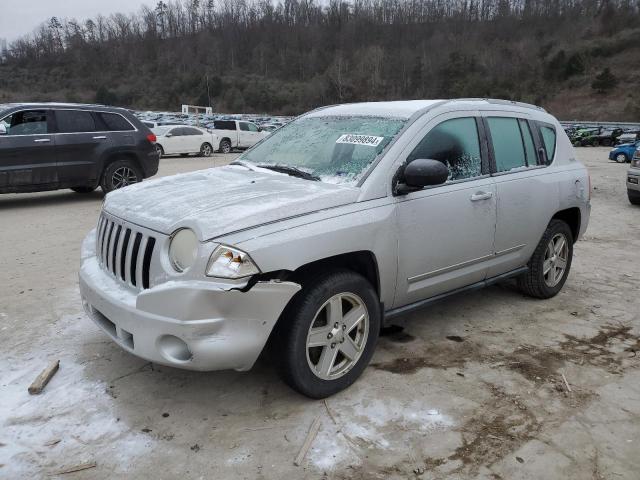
(224, 137)
(596, 136)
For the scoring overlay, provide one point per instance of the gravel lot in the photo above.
(470, 388)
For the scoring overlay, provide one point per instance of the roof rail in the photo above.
(497, 101)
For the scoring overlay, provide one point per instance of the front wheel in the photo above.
(327, 335)
(159, 150)
(550, 263)
(119, 174)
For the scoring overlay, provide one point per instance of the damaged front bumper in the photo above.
(195, 325)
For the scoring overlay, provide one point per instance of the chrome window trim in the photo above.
(53, 109)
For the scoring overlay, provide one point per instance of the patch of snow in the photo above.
(336, 445)
(72, 421)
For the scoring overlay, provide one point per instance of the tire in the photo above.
(621, 158)
(300, 365)
(606, 142)
(578, 143)
(595, 143)
(225, 146)
(83, 189)
(536, 283)
(206, 150)
(160, 150)
(634, 197)
(119, 174)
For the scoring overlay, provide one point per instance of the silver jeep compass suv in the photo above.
(340, 220)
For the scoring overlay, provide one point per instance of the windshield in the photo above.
(334, 149)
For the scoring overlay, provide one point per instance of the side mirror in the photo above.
(3, 129)
(169, 135)
(421, 173)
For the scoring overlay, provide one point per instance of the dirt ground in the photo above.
(470, 388)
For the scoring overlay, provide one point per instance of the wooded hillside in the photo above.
(259, 56)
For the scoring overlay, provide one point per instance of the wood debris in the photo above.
(41, 380)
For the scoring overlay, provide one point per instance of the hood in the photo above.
(219, 201)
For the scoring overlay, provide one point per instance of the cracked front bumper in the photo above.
(195, 325)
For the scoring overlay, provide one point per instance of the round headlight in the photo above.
(183, 249)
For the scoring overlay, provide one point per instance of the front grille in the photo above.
(124, 252)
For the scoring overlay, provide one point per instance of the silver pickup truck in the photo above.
(341, 220)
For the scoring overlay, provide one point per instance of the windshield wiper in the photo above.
(242, 163)
(289, 170)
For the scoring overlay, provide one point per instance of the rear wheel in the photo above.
(550, 263)
(634, 197)
(119, 174)
(225, 146)
(83, 189)
(160, 150)
(621, 158)
(327, 334)
(206, 150)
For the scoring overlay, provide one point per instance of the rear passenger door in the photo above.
(78, 147)
(445, 233)
(193, 139)
(27, 150)
(525, 190)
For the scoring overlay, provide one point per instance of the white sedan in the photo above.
(183, 140)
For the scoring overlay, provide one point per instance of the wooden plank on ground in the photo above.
(41, 380)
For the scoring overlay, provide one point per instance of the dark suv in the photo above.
(47, 146)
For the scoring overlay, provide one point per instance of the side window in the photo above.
(455, 143)
(244, 126)
(224, 125)
(176, 132)
(252, 127)
(115, 122)
(75, 121)
(529, 147)
(192, 131)
(508, 147)
(549, 140)
(28, 122)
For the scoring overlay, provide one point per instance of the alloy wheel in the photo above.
(555, 260)
(122, 177)
(337, 336)
(621, 158)
(205, 150)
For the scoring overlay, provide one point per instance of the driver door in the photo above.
(446, 232)
(173, 141)
(27, 150)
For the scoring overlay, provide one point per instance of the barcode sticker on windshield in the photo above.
(352, 139)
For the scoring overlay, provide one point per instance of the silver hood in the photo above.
(219, 201)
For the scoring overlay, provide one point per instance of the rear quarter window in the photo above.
(115, 122)
(548, 134)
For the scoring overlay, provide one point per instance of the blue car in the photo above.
(624, 152)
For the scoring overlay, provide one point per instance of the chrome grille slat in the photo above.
(124, 251)
(115, 257)
(139, 261)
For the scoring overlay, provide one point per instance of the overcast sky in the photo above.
(18, 17)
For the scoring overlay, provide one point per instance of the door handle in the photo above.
(42, 140)
(101, 137)
(481, 196)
